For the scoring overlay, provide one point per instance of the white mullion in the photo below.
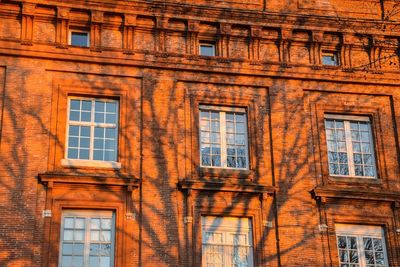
(361, 252)
(246, 141)
(222, 130)
(371, 145)
(349, 148)
(92, 125)
(87, 241)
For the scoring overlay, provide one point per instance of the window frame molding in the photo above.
(320, 110)
(251, 97)
(126, 95)
(349, 147)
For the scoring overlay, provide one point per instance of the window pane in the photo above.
(79, 38)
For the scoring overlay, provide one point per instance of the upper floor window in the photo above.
(207, 49)
(360, 246)
(79, 38)
(350, 146)
(92, 132)
(223, 137)
(330, 58)
(87, 239)
(227, 241)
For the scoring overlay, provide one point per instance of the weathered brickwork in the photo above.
(269, 61)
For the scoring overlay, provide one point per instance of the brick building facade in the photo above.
(199, 133)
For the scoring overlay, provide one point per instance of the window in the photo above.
(360, 246)
(223, 137)
(350, 146)
(87, 239)
(79, 38)
(207, 49)
(227, 241)
(330, 58)
(92, 132)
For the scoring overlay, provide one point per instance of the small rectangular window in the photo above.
(350, 146)
(223, 137)
(207, 49)
(227, 241)
(92, 132)
(87, 239)
(79, 38)
(361, 246)
(330, 58)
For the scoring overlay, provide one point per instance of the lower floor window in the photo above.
(227, 241)
(361, 246)
(87, 239)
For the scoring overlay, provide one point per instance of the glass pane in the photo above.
(86, 116)
(66, 261)
(99, 117)
(110, 132)
(110, 155)
(86, 105)
(333, 168)
(68, 222)
(84, 153)
(379, 258)
(333, 157)
(353, 256)
(94, 249)
(105, 236)
(104, 261)
(79, 223)
(74, 115)
(67, 249)
(105, 223)
(205, 160)
(94, 235)
(343, 256)
(342, 157)
(84, 142)
(231, 162)
(79, 235)
(352, 242)
(68, 235)
(72, 153)
(369, 257)
(111, 107)
(78, 249)
(73, 130)
(79, 38)
(111, 118)
(241, 162)
(73, 142)
(341, 241)
(98, 155)
(95, 223)
(77, 261)
(357, 158)
(75, 104)
(378, 244)
(367, 243)
(85, 131)
(216, 160)
(99, 132)
(240, 128)
(207, 50)
(100, 106)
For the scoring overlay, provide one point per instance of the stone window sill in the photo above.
(76, 163)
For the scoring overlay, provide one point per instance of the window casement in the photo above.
(350, 146)
(87, 239)
(79, 38)
(92, 130)
(207, 49)
(227, 241)
(223, 137)
(361, 246)
(330, 58)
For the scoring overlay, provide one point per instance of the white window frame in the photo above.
(359, 232)
(208, 44)
(349, 147)
(67, 162)
(88, 214)
(226, 227)
(222, 131)
(78, 31)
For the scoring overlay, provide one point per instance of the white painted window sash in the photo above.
(92, 124)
